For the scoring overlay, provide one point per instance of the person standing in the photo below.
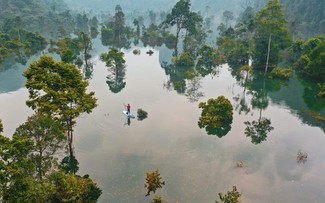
(128, 107)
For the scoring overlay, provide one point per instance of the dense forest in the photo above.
(280, 38)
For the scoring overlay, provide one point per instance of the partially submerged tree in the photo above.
(58, 89)
(216, 116)
(231, 196)
(271, 35)
(183, 18)
(153, 182)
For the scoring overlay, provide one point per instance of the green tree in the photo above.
(182, 18)
(178, 17)
(312, 62)
(72, 188)
(208, 59)
(216, 116)
(271, 35)
(231, 196)
(185, 60)
(48, 137)
(15, 168)
(153, 182)
(119, 24)
(59, 90)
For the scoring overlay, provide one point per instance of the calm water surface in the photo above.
(195, 165)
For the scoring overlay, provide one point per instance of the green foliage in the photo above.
(16, 168)
(48, 137)
(20, 43)
(321, 91)
(270, 23)
(72, 188)
(152, 36)
(311, 61)
(157, 199)
(153, 182)
(185, 60)
(114, 31)
(247, 68)
(302, 62)
(58, 89)
(231, 196)
(208, 59)
(113, 58)
(215, 112)
(282, 73)
(183, 18)
(142, 114)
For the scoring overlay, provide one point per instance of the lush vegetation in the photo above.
(216, 116)
(30, 170)
(58, 89)
(231, 196)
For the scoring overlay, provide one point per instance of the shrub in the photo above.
(142, 114)
(282, 73)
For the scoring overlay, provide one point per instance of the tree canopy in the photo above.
(270, 26)
(59, 90)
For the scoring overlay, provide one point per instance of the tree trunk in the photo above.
(268, 55)
(177, 36)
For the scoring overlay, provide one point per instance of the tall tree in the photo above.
(48, 137)
(270, 24)
(59, 90)
(183, 18)
(15, 168)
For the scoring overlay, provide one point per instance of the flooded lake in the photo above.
(195, 165)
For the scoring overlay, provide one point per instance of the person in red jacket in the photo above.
(128, 107)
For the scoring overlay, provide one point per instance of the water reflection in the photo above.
(193, 91)
(118, 158)
(115, 62)
(258, 130)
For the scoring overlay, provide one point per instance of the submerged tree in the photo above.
(115, 32)
(115, 62)
(208, 59)
(216, 116)
(271, 35)
(183, 18)
(58, 89)
(231, 196)
(153, 182)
